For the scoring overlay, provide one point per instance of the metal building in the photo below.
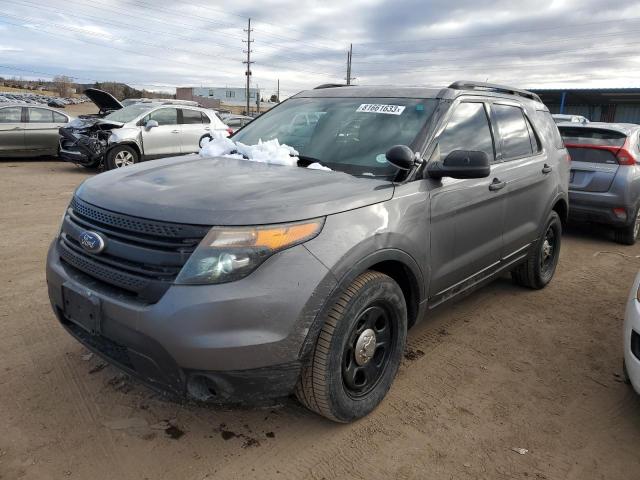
(596, 104)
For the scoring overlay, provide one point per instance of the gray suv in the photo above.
(235, 281)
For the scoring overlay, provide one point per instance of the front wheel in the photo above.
(358, 350)
(121, 156)
(537, 271)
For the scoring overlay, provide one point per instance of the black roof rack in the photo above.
(492, 87)
(329, 85)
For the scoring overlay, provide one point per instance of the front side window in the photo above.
(59, 118)
(351, 135)
(191, 117)
(11, 115)
(513, 130)
(39, 115)
(165, 116)
(467, 129)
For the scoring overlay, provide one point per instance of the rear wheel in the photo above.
(537, 271)
(121, 156)
(629, 234)
(358, 351)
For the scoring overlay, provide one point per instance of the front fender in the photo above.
(126, 136)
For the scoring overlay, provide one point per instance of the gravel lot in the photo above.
(505, 368)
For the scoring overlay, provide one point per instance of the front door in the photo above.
(11, 130)
(165, 139)
(41, 131)
(466, 215)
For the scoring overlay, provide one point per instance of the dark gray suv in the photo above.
(234, 281)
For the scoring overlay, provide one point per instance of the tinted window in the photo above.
(165, 116)
(468, 129)
(10, 115)
(549, 128)
(59, 118)
(514, 133)
(39, 115)
(536, 145)
(592, 136)
(205, 119)
(191, 116)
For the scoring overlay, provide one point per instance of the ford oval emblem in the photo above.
(92, 242)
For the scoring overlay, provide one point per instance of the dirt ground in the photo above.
(505, 368)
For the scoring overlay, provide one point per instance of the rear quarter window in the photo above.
(548, 126)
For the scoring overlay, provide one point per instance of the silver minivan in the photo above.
(27, 131)
(138, 132)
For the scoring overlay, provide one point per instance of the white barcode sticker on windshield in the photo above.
(379, 108)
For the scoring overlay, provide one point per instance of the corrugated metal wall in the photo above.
(623, 113)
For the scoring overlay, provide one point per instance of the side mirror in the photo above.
(150, 124)
(461, 164)
(401, 156)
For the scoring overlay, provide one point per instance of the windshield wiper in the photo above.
(305, 161)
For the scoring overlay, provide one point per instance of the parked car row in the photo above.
(39, 99)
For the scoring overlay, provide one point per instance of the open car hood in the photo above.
(104, 100)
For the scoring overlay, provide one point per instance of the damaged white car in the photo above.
(138, 132)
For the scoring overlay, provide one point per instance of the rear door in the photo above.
(163, 140)
(594, 161)
(41, 132)
(527, 168)
(11, 130)
(194, 125)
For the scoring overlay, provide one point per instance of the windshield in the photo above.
(130, 112)
(346, 134)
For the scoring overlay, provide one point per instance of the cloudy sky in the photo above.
(160, 44)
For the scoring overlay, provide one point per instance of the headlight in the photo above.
(230, 253)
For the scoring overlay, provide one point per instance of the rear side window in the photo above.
(205, 118)
(39, 115)
(514, 132)
(191, 117)
(468, 129)
(592, 136)
(11, 115)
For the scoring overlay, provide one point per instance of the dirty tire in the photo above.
(117, 155)
(628, 235)
(322, 386)
(531, 273)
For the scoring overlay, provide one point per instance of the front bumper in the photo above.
(235, 342)
(632, 336)
(598, 207)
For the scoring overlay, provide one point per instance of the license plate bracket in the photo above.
(82, 308)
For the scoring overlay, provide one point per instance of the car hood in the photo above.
(103, 100)
(227, 191)
(92, 123)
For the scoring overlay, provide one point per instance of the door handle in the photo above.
(546, 168)
(207, 129)
(175, 131)
(16, 128)
(497, 185)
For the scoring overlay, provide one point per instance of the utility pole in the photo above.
(349, 57)
(248, 61)
(278, 93)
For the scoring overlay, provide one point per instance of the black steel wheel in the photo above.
(358, 350)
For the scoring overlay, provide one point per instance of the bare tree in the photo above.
(62, 85)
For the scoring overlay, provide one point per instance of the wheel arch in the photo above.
(130, 144)
(397, 264)
(561, 207)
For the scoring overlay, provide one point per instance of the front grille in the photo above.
(141, 257)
